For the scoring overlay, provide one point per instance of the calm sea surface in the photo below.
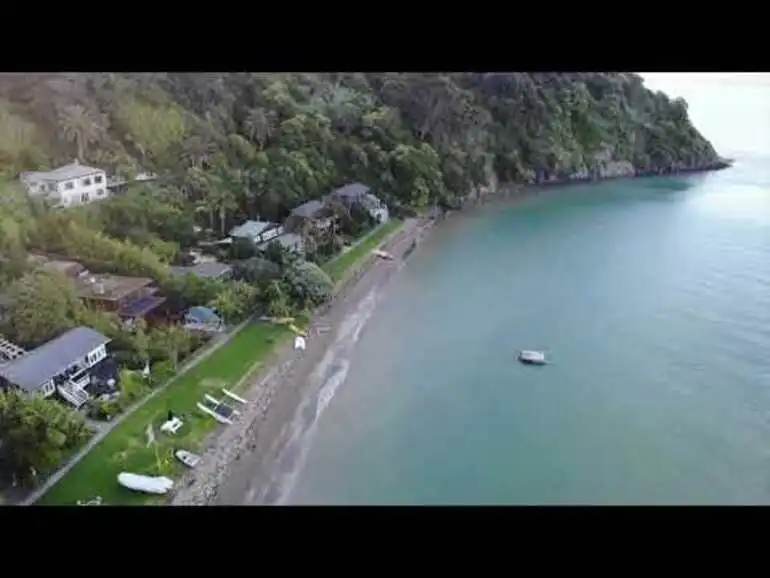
(652, 297)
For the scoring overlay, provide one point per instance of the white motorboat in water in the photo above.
(147, 484)
(187, 458)
(532, 357)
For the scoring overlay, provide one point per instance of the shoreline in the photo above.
(240, 459)
(514, 190)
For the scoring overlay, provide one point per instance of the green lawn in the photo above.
(341, 266)
(125, 448)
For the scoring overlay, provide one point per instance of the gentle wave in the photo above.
(325, 381)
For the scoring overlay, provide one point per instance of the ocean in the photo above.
(651, 297)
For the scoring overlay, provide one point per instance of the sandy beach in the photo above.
(242, 463)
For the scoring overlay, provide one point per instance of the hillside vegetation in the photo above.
(278, 139)
(231, 146)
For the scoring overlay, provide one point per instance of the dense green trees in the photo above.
(242, 144)
(36, 434)
(231, 146)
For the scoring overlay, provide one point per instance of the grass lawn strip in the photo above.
(125, 448)
(344, 265)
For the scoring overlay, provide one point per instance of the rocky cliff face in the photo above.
(550, 127)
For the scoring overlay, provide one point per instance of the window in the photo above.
(96, 355)
(99, 192)
(98, 179)
(86, 182)
(69, 185)
(84, 198)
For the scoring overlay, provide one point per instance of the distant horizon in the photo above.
(730, 109)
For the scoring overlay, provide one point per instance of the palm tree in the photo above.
(79, 127)
(175, 338)
(259, 126)
(220, 198)
(226, 304)
(198, 150)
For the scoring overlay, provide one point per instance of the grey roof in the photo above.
(353, 191)
(308, 210)
(32, 370)
(71, 171)
(251, 228)
(287, 241)
(203, 270)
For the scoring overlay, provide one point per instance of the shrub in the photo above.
(162, 372)
(308, 284)
(104, 410)
(133, 387)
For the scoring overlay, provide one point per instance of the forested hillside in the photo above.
(231, 146)
(278, 139)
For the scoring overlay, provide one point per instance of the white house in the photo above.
(70, 185)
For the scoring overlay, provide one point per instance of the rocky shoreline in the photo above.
(613, 171)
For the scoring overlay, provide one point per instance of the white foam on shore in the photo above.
(325, 380)
(330, 388)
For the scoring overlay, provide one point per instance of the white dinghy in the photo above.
(187, 458)
(146, 484)
(532, 357)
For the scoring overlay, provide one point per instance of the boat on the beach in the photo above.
(530, 357)
(187, 458)
(146, 484)
(383, 255)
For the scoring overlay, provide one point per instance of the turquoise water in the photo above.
(652, 298)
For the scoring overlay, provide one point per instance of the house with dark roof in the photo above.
(220, 271)
(256, 231)
(349, 194)
(129, 297)
(362, 195)
(310, 214)
(70, 185)
(291, 242)
(63, 365)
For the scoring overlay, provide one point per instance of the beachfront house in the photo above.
(290, 242)
(256, 231)
(70, 185)
(312, 214)
(203, 319)
(63, 366)
(129, 297)
(361, 195)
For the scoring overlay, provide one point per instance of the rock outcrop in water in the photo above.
(280, 139)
